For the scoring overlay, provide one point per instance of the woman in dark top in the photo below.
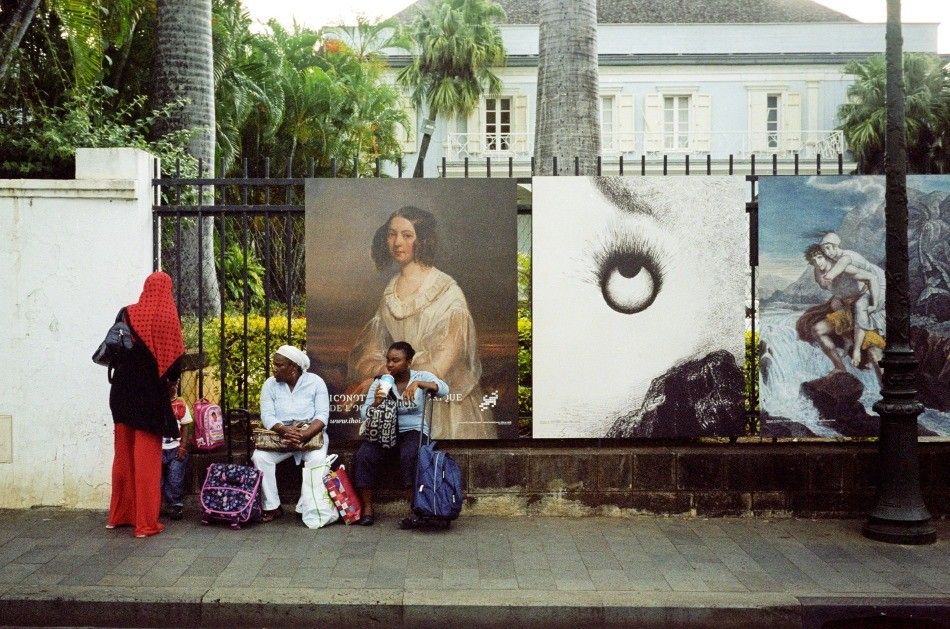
(141, 406)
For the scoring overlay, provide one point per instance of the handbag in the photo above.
(382, 423)
(316, 507)
(270, 441)
(116, 346)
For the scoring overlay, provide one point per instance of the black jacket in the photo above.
(139, 397)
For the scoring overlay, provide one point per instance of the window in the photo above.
(772, 104)
(607, 122)
(675, 122)
(498, 124)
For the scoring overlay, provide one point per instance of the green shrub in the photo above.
(258, 360)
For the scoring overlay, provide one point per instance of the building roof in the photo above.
(675, 11)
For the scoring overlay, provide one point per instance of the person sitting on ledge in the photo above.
(410, 389)
(291, 394)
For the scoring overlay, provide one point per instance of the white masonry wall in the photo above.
(71, 254)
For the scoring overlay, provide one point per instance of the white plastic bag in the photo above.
(315, 505)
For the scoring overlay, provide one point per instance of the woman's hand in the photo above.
(308, 433)
(410, 393)
(288, 434)
(380, 396)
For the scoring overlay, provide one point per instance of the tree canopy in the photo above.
(863, 117)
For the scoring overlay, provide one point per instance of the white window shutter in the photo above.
(475, 130)
(758, 121)
(792, 121)
(409, 138)
(519, 124)
(700, 123)
(653, 123)
(623, 123)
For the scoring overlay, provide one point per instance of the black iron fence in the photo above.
(255, 224)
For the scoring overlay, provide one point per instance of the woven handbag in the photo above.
(270, 441)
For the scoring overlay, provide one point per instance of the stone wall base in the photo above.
(834, 480)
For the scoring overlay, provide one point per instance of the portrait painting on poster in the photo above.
(823, 302)
(640, 286)
(428, 261)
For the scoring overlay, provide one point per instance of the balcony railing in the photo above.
(719, 144)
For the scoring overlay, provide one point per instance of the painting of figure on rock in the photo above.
(640, 286)
(823, 303)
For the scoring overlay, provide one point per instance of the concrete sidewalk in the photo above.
(64, 568)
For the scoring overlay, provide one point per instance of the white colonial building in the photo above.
(702, 78)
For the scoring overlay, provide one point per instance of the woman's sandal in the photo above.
(273, 514)
(366, 520)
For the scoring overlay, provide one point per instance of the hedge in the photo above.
(258, 360)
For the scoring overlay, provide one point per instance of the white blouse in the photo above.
(309, 400)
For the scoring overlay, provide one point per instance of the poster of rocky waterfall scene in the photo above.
(822, 303)
(639, 293)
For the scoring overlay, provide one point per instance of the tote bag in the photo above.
(316, 507)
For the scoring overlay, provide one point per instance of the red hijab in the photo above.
(155, 319)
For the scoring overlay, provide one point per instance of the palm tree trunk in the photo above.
(899, 515)
(568, 116)
(14, 31)
(428, 126)
(184, 71)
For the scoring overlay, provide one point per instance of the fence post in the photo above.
(621, 165)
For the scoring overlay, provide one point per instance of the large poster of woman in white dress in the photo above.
(823, 303)
(431, 262)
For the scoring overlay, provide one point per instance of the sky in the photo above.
(317, 13)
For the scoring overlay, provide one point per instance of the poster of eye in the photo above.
(822, 302)
(430, 262)
(640, 286)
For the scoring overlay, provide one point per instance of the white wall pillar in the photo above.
(72, 252)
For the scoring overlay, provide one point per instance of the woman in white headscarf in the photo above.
(291, 394)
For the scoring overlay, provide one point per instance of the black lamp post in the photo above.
(899, 515)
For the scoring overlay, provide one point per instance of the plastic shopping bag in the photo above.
(316, 507)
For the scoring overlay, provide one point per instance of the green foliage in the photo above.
(258, 360)
(296, 95)
(457, 44)
(751, 377)
(85, 120)
(242, 270)
(524, 334)
(864, 116)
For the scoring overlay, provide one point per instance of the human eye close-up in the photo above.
(630, 275)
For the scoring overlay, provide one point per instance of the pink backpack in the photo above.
(209, 426)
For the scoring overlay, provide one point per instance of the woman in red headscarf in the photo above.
(141, 406)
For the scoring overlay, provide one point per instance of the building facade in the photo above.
(746, 78)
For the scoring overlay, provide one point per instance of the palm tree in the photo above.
(458, 44)
(184, 72)
(369, 40)
(89, 26)
(568, 116)
(248, 82)
(863, 117)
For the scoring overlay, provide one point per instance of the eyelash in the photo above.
(619, 246)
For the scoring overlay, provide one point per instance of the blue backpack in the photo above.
(438, 491)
